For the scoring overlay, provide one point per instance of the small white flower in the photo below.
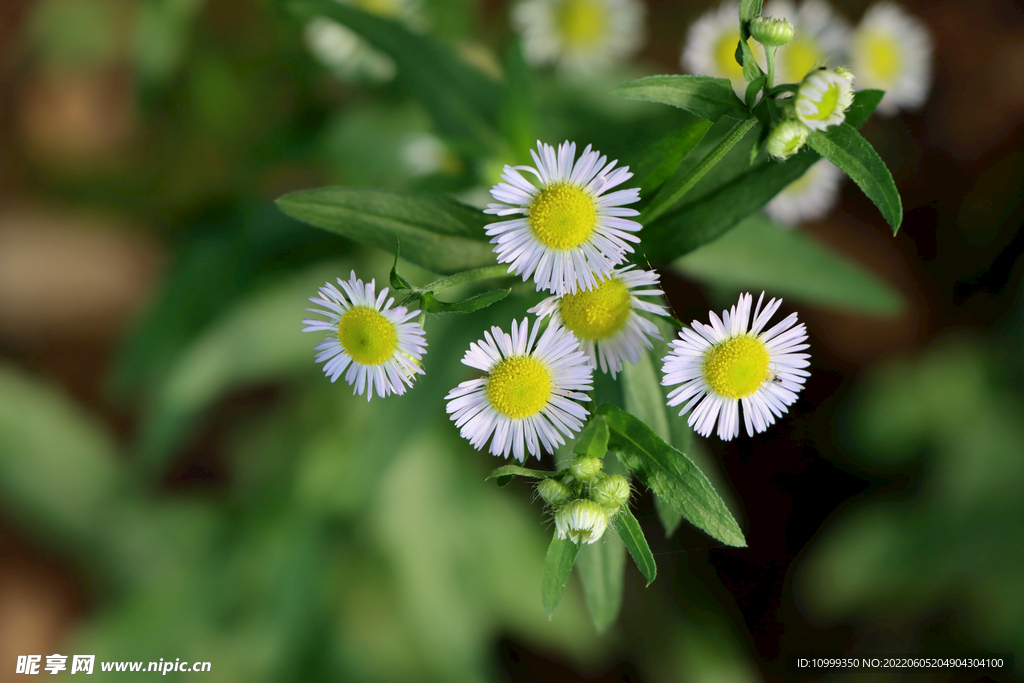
(528, 399)
(377, 343)
(605, 318)
(821, 38)
(786, 139)
(823, 98)
(570, 233)
(892, 51)
(725, 364)
(345, 52)
(581, 521)
(581, 36)
(710, 47)
(809, 197)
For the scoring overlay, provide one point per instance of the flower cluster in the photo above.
(571, 233)
(583, 499)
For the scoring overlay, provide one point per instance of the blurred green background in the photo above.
(178, 479)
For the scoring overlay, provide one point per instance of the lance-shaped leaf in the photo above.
(662, 159)
(473, 303)
(593, 442)
(682, 230)
(749, 9)
(854, 156)
(437, 233)
(462, 100)
(504, 474)
(704, 96)
(600, 566)
(671, 475)
(633, 536)
(558, 563)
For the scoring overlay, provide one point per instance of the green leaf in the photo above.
(438, 233)
(504, 474)
(462, 100)
(558, 563)
(397, 281)
(59, 469)
(749, 9)
(844, 147)
(671, 475)
(704, 96)
(601, 567)
(633, 536)
(707, 217)
(745, 56)
(473, 303)
(752, 88)
(663, 158)
(593, 442)
(757, 254)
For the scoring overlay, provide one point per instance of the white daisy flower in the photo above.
(725, 364)
(710, 47)
(892, 51)
(823, 98)
(570, 233)
(605, 318)
(581, 36)
(821, 38)
(346, 53)
(581, 521)
(528, 399)
(378, 344)
(809, 197)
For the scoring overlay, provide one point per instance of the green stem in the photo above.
(770, 53)
(485, 273)
(668, 197)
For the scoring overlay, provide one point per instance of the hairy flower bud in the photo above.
(581, 521)
(786, 139)
(553, 492)
(771, 32)
(586, 469)
(823, 98)
(611, 492)
(845, 73)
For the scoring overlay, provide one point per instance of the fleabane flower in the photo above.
(710, 47)
(786, 139)
(529, 397)
(605, 318)
(892, 51)
(569, 233)
(343, 51)
(821, 38)
(581, 521)
(823, 98)
(809, 197)
(580, 36)
(730, 363)
(378, 344)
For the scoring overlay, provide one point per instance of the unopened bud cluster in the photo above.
(821, 102)
(771, 32)
(585, 499)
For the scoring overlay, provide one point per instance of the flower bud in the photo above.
(845, 73)
(823, 98)
(786, 139)
(553, 492)
(611, 492)
(581, 521)
(586, 469)
(771, 32)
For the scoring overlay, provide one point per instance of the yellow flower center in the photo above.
(882, 56)
(382, 8)
(598, 313)
(797, 59)
(562, 216)
(582, 22)
(367, 336)
(827, 105)
(737, 367)
(725, 55)
(519, 387)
